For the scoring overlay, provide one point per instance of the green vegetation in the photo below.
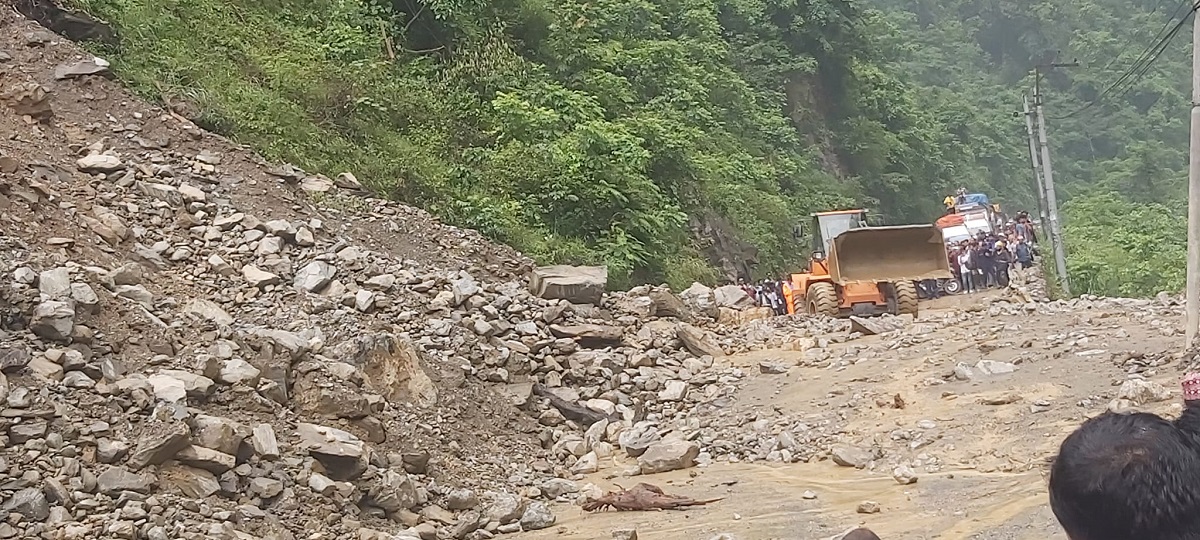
(597, 131)
(1120, 165)
(672, 138)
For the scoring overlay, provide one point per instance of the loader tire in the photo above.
(822, 299)
(906, 298)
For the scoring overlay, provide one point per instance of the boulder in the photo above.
(119, 479)
(596, 333)
(159, 442)
(537, 516)
(53, 320)
(575, 284)
(393, 368)
(666, 304)
(315, 276)
(700, 299)
(698, 341)
(668, 455)
(191, 482)
(732, 296)
(342, 454)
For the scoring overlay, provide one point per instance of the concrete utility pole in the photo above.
(1060, 256)
(1037, 166)
(1192, 307)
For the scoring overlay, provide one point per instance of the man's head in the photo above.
(860, 534)
(1127, 477)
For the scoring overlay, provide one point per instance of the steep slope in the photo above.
(600, 132)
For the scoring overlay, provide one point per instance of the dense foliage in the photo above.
(1120, 165)
(650, 135)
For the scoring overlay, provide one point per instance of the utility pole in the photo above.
(1060, 256)
(1192, 307)
(1037, 166)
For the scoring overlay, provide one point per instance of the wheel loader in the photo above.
(856, 269)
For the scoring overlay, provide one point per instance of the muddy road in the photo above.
(977, 437)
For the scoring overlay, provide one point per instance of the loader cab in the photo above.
(828, 225)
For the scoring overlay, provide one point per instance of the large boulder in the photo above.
(700, 299)
(392, 366)
(666, 304)
(732, 296)
(698, 341)
(575, 284)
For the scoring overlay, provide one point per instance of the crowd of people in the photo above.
(774, 294)
(991, 259)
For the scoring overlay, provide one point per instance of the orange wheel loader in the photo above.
(856, 269)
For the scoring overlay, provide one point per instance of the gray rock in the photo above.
(53, 320)
(25, 431)
(161, 442)
(393, 491)
(55, 284)
(191, 482)
(461, 499)
(238, 371)
(343, 455)
(669, 455)
(264, 442)
(109, 451)
(99, 163)
(82, 68)
(537, 516)
(848, 456)
(258, 278)
(673, 391)
(505, 508)
(904, 475)
(30, 503)
(315, 276)
(13, 359)
(991, 367)
(557, 487)
(209, 311)
(699, 342)
(575, 284)
(118, 479)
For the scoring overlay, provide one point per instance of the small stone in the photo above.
(868, 507)
(904, 475)
(99, 163)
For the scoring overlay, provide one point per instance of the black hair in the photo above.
(1127, 477)
(861, 534)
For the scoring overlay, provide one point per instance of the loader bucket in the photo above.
(889, 254)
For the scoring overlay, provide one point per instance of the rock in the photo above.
(772, 368)
(159, 443)
(732, 296)
(343, 455)
(904, 475)
(315, 276)
(557, 487)
(266, 488)
(848, 456)
(191, 482)
(870, 326)
(868, 507)
(667, 304)
(264, 442)
(699, 342)
(588, 332)
(220, 434)
(118, 479)
(25, 431)
(109, 451)
(587, 464)
(461, 499)
(209, 311)
(393, 368)
(575, 284)
(238, 371)
(29, 99)
(99, 163)
(258, 278)
(1140, 392)
(463, 289)
(13, 360)
(537, 516)
(700, 299)
(93, 66)
(54, 284)
(30, 503)
(673, 391)
(669, 455)
(991, 367)
(53, 321)
(625, 533)
(393, 491)
(637, 440)
(505, 508)
(207, 459)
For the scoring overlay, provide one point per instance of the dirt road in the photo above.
(978, 442)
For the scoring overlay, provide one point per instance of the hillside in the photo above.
(673, 141)
(1120, 164)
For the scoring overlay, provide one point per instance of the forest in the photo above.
(681, 140)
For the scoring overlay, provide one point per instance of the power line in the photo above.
(1142, 65)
